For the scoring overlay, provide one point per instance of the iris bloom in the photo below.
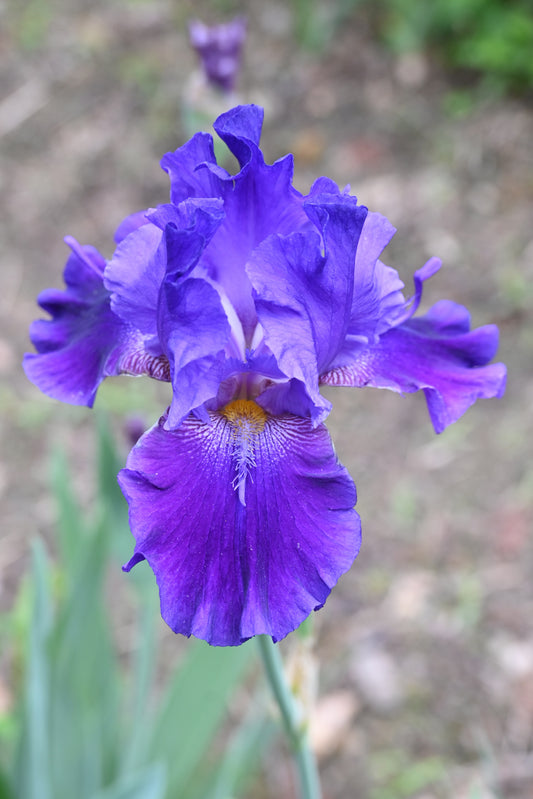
(219, 48)
(247, 297)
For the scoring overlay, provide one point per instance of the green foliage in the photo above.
(397, 778)
(29, 22)
(489, 38)
(314, 23)
(494, 38)
(89, 722)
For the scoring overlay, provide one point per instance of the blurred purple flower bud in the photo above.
(219, 48)
(134, 428)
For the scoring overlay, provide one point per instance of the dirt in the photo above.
(426, 646)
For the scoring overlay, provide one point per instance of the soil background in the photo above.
(426, 645)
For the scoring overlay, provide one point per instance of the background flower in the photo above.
(219, 48)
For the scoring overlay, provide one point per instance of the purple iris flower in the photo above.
(247, 296)
(220, 49)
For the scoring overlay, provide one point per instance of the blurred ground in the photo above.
(426, 646)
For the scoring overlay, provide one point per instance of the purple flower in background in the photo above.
(219, 48)
(247, 296)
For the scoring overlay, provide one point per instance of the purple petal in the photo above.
(240, 128)
(136, 272)
(258, 202)
(292, 396)
(199, 215)
(429, 269)
(194, 329)
(303, 295)
(230, 566)
(85, 341)
(131, 223)
(435, 352)
(186, 180)
(377, 292)
(378, 303)
(341, 222)
(284, 302)
(134, 275)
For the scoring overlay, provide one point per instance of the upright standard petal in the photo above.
(193, 329)
(258, 201)
(85, 341)
(436, 353)
(247, 522)
(172, 239)
(303, 288)
(377, 289)
(186, 179)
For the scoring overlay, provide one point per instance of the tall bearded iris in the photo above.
(247, 296)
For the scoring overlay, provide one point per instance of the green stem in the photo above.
(296, 731)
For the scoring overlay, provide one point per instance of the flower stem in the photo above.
(295, 729)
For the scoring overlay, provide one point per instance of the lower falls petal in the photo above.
(247, 522)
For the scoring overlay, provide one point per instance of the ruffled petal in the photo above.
(437, 353)
(239, 128)
(247, 522)
(378, 303)
(377, 291)
(131, 223)
(258, 201)
(85, 341)
(171, 242)
(194, 330)
(341, 222)
(134, 275)
(303, 287)
(186, 179)
(400, 314)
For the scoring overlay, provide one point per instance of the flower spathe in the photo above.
(247, 296)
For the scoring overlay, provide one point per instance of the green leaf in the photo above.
(240, 760)
(71, 529)
(147, 784)
(5, 789)
(194, 707)
(144, 663)
(77, 611)
(86, 680)
(108, 465)
(32, 772)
